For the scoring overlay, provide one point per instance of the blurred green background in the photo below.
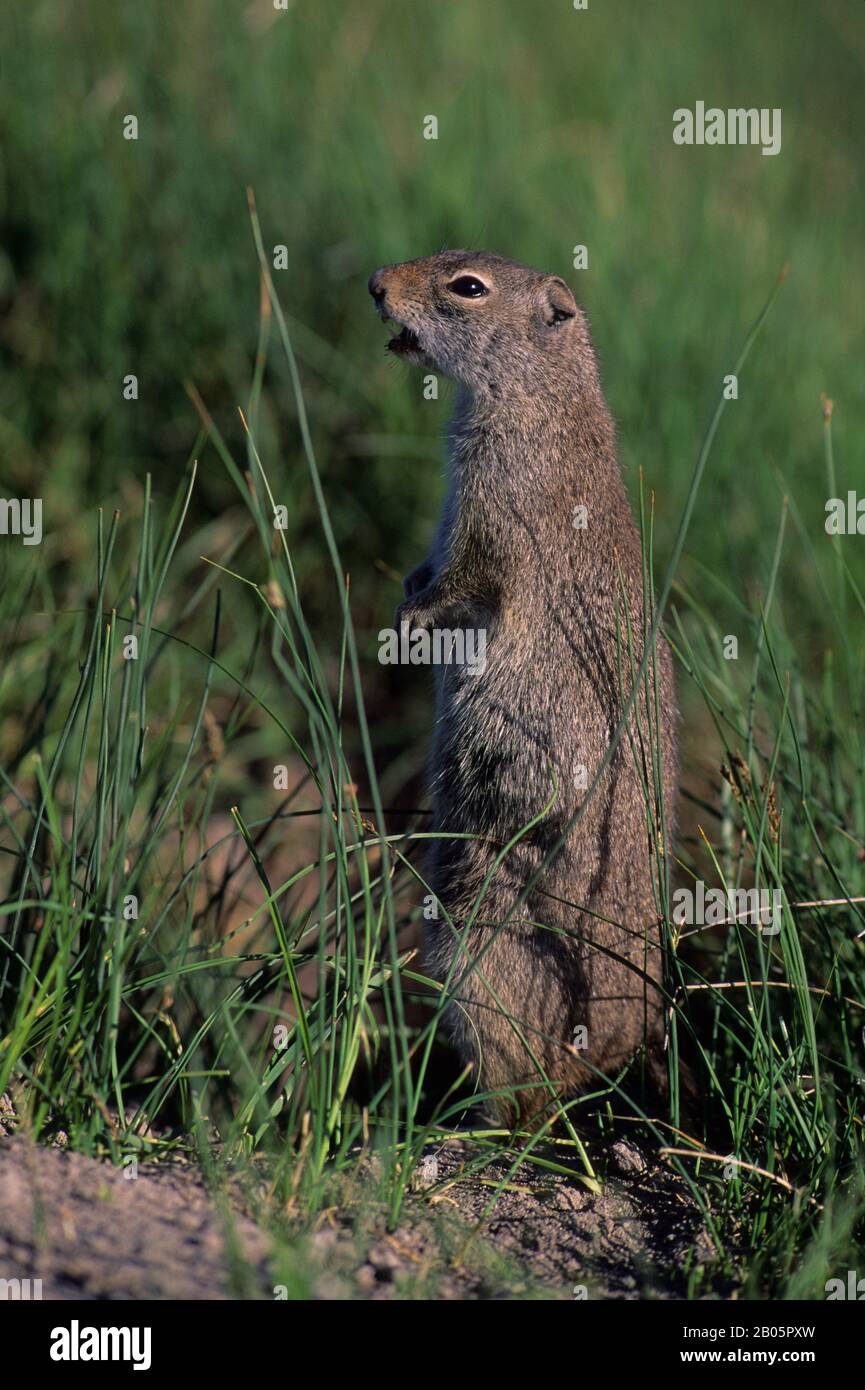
(555, 128)
(122, 257)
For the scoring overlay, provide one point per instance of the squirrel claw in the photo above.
(413, 615)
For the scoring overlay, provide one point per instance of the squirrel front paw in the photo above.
(414, 614)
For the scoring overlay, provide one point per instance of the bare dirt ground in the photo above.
(89, 1232)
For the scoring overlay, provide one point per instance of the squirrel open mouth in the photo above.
(405, 341)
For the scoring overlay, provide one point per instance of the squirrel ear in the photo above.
(557, 301)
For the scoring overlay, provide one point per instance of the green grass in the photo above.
(296, 907)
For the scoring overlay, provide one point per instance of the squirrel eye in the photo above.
(468, 287)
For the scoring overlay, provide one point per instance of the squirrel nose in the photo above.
(377, 288)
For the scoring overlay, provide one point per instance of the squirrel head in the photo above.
(492, 325)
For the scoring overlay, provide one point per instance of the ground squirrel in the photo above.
(566, 936)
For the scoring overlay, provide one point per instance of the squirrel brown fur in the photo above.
(554, 968)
